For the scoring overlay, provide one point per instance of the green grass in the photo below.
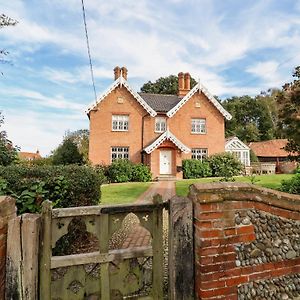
(269, 181)
(123, 192)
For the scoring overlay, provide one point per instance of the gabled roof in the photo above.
(122, 82)
(271, 148)
(233, 143)
(201, 88)
(29, 155)
(167, 135)
(160, 102)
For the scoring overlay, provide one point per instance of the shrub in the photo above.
(120, 171)
(224, 165)
(67, 153)
(193, 168)
(141, 173)
(292, 185)
(65, 186)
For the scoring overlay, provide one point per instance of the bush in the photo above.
(141, 173)
(65, 186)
(120, 171)
(193, 168)
(291, 186)
(224, 165)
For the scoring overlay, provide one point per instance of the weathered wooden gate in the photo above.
(105, 274)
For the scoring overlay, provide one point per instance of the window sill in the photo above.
(199, 133)
(120, 131)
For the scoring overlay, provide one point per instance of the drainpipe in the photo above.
(142, 152)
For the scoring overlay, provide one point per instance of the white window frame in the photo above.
(120, 122)
(199, 153)
(160, 124)
(198, 126)
(119, 152)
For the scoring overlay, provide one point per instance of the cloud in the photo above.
(267, 71)
(34, 131)
(39, 99)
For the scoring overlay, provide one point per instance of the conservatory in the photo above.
(240, 150)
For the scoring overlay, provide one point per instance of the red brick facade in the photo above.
(217, 238)
(141, 132)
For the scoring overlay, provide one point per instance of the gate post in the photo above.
(181, 249)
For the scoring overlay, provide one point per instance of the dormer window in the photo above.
(160, 124)
(120, 122)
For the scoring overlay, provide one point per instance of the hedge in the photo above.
(122, 170)
(65, 186)
(219, 165)
(193, 168)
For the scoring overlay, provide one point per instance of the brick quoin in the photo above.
(217, 235)
(7, 212)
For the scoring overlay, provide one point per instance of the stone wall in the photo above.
(247, 242)
(7, 212)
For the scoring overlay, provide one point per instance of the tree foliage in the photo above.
(8, 153)
(164, 85)
(288, 101)
(253, 118)
(67, 153)
(4, 22)
(81, 139)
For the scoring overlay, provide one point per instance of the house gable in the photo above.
(122, 82)
(199, 88)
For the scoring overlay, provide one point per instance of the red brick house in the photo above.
(157, 130)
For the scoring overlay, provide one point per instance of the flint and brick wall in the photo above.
(7, 212)
(247, 242)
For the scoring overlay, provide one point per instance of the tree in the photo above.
(288, 101)
(67, 153)
(5, 21)
(253, 119)
(8, 153)
(81, 139)
(164, 85)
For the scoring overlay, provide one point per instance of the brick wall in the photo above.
(7, 212)
(247, 242)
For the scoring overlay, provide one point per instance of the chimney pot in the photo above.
(187, 82)
(124, 72)
(117, 72)
(180, 83)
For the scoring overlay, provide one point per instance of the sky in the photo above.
(234, 47)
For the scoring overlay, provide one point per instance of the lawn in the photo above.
(269, 181)
(123, 192)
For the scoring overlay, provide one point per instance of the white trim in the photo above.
(167, 135)
(235, 143)
(122, 82)
(201, 88)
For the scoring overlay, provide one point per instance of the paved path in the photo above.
(140, 236)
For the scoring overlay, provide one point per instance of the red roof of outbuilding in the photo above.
(271, 148)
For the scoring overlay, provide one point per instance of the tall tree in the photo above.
(164, 85)
(81, 139)
(252, 118)
(8, 153)
(289, 113)
(67, 153)
(5, 21)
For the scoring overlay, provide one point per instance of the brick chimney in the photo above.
(184, 84)
(124, 72)
(180, 84)
(117, 72)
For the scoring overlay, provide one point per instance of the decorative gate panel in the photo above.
(130, 273)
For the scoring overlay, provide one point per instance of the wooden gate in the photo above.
(105, 274)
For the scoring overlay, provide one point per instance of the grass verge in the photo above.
(123, 192)
(270, 181)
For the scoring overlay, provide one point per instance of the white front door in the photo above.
(165, 162)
